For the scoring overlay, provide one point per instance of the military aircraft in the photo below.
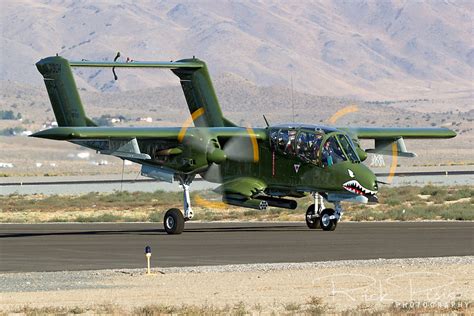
(256, 167)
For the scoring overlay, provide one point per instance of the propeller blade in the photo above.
(213, 173)
(244, 149)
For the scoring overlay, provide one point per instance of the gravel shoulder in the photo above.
(341, 285)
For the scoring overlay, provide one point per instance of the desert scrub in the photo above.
(313, 306)
(458, 211)
(396, 203)
(398, 195)
(155, 216)
(116, 200)
(460, 193)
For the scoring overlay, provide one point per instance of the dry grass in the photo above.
(313, 306)
(398, 203)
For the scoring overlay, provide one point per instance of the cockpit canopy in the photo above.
(313, 145)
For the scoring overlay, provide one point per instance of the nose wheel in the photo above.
(317, 216)
(312, 220)
(327, 219)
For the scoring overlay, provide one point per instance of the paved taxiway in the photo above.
(52, 247)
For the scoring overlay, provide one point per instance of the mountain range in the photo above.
(368, 50)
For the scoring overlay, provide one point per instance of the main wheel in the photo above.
(311, 222)
(173, 221)
(325, 220)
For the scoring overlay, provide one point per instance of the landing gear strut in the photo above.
(318, 216)
(313, 211)
(174, 220)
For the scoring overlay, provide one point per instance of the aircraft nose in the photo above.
(371, 181)
(362, 181)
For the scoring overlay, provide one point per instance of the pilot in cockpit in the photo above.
(327, 158)
(315, 147)
(289, 148)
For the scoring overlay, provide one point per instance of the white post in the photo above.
(148, 256)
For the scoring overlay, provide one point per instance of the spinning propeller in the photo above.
(241, 148)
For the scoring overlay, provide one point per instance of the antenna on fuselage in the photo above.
(113, 68)
(266, 121)
(292, 103)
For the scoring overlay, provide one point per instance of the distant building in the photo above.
(84, 155)
(51, 124)
(145, 119)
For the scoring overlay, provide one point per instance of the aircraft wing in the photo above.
(124, 141)
(90, 133)
(390, 141)
(395, 133)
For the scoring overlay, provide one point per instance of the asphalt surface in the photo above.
(56, 247)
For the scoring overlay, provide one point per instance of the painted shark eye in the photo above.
(351, 174)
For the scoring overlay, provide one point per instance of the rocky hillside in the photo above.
(371, 50)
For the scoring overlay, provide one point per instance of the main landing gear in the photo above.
(317, 216)
(174, 220)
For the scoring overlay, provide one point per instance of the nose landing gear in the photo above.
(317, 216)
(327, 220)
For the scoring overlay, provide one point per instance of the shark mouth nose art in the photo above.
(355, 187)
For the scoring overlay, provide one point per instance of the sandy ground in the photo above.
(341, 285)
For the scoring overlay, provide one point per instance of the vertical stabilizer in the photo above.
(199, 93)
(62, 92)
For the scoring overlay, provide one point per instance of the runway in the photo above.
(55, 247)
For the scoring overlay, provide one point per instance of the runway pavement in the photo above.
(54, 247)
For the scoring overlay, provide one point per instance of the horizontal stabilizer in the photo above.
(139, 64)
(195, 81)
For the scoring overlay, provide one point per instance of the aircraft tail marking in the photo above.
(62, 92)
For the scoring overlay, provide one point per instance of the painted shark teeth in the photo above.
(355, 187)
